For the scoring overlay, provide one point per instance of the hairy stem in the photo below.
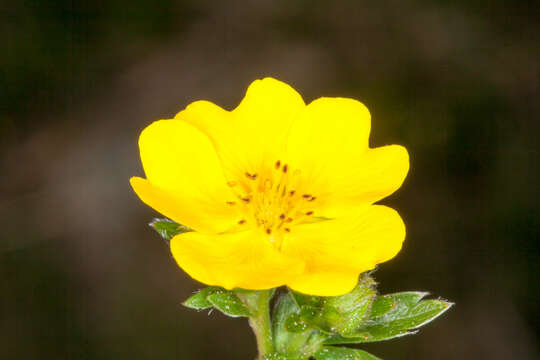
(259, 305)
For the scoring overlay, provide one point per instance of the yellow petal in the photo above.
(328, 145)
(185, 179)
(349, 245)
(325, 283)
(244, 260)
(254, 134)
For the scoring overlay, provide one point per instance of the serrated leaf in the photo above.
(342, 315)
(408, 313)
(343, 353)
(229, 303)
(168, 229)
(199, 300)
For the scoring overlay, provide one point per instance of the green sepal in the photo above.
(168, 229)
(408, 312)
(229, 304)
(343, 353)
(199, 301)
(343, 315)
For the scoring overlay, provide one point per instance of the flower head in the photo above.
(277, 192)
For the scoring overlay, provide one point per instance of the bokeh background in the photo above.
(83, 277)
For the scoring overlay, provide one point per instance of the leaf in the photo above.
(381, 305)
(279, 356)
(408, 313)
(342, 315)
(199, 300)
(168, 229)
(288, 337)
(229, 303)
(343, 353)
(295, 323)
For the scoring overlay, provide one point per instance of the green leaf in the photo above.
(343, 315)
(295, 323)
(199, 300)
(168, 228)
(279, 356)
(342, 353)
(288, 337)
(407, 313)
(229, 303)
(381, 305)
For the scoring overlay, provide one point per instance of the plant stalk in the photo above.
(260, 322)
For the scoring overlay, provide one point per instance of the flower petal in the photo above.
(325, 283)
(185, 179)
(254, 134)
(244, 260)
(348, 245)
(328, 144)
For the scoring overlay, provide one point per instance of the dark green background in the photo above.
(456, 82)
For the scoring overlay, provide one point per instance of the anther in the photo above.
(282, 216)
(285, 168)
(306, 196)
(242, 222)
(268, 231)
(231, 203)
(289, 220)
(287, 230)
(291, 193)
(309, 213)
(251, 176)
(312, 198)
(278, 164)
(246, 200)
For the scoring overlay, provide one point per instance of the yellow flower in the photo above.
(277, 192)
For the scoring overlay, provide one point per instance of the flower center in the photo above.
(271, 199)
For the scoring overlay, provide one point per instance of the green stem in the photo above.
(259, 304)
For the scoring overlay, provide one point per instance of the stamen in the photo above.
(251, 176)
(273, 199)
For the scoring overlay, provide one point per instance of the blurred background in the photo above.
(82, 276)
